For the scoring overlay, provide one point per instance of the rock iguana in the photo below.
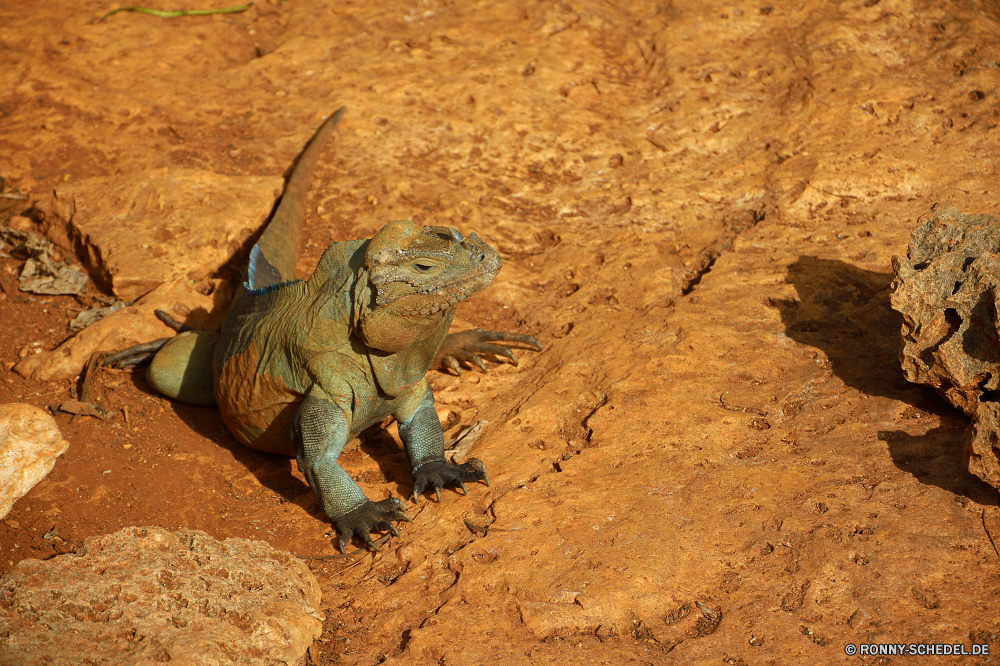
(300, 367)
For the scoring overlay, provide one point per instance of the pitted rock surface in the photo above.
(946, 289)
(145, 595)
(982, 444)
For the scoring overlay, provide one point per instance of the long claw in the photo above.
(461, 484)
(437, 491)
(342, 543)
(403, 516)
(416, 497)
(141, 353)
(497, 350)
(506, 336)
(452, 363)
(466, 347)
(479, 467)
(394, 531)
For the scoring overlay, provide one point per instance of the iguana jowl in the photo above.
(300, 367)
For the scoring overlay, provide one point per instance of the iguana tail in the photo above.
(272, 259)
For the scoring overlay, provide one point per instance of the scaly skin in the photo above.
(301, 367)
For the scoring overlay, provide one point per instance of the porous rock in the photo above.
(145, 595)
(946, 290)
(982, 444)
(30, 442)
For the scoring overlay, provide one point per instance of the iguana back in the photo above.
(182, 368)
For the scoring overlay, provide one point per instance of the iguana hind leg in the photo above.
(182, 369)
(179, 367)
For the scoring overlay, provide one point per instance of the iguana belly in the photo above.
(257, 406)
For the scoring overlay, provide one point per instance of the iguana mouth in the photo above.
(429, 302)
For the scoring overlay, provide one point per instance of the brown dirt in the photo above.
(696, 204)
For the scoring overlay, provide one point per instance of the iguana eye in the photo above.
(423, 268)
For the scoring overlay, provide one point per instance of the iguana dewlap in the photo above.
(302, 366)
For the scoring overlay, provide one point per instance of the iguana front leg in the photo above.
(469, 346)
(420, 430)
(320, 431)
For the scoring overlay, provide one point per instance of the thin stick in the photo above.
(834, 194)
(344, 556)
(92, 365)
(179, 12)
(9, 387)
(982, 517)
(656, 143)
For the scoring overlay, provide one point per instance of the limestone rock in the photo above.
(982, 444)
(145, 595)
(160, 225)
(133, 325)
(30, 442)
(946, 290)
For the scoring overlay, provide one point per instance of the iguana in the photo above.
(300, 367)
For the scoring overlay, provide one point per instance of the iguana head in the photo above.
(416, 274)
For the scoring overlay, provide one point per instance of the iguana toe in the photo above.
(468, 347)
(134, 355)
(370, 516)
(439, 473)
(476, 360)
(452, 364)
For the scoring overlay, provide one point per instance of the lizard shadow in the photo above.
(280, 474)
(845, 312)
(273, 471)
(390, 458)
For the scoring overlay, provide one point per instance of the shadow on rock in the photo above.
(935, 459)
(273, 471)
(844, 311)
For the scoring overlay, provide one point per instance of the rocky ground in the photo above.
(716, 458)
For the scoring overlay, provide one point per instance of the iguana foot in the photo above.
(439, 473)
(135, 355)
(467, 347)
(143, 353)
(368, 517)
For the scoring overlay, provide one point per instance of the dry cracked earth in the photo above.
(715, 459)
